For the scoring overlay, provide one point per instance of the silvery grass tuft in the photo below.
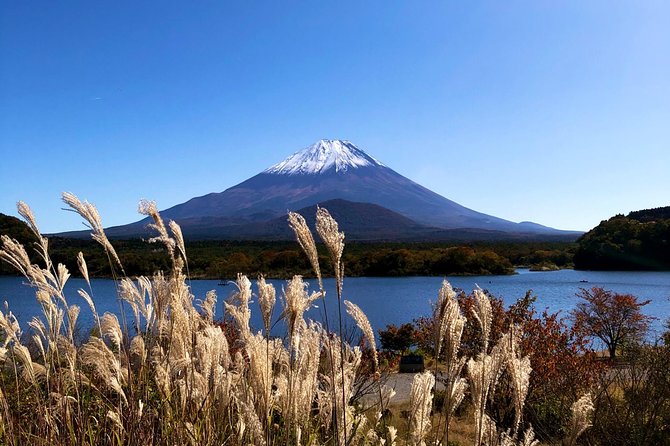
(483, 374)
(148, 208)
(90, 214)
(484, 316)
(208, 306)
(448, 324)
(83, 267)
(448, 321)
(297, 300)
(330, 234)
(306, 241)
(421, 398)
(349, 359)
(527, 440)
(329, 231)
(519, 371)
(364, 325)
(238, 305)
(267, 297)
(176, 377)
(582, 412)
(43, 243)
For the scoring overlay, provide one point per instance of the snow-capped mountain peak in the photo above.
(322, 156)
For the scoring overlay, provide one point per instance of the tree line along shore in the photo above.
(637, 241)
(225, 259)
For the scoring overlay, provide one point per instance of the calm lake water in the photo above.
(391, 300)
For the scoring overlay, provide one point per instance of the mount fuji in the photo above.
(353, 182)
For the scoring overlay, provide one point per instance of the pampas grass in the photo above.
(448, 324)
(180, 376)
(364, 325)
(306, 241)
(421, 398)
(582, 411)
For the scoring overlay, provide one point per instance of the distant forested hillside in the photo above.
(648, 215)
(638, 241)
(224, 259)
(16, 229)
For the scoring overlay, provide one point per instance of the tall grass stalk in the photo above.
(330, 234)
(181, 376)
(448, 324)
(305, 239)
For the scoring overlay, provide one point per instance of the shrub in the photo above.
(632, 405)
(397, 339)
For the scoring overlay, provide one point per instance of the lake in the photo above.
(391, 300)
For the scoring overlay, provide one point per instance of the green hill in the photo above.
(638, 241)
(15, 228)
(648, 215)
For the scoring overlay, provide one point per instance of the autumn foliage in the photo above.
(611, 317)
(563, 364)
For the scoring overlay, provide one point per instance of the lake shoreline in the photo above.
(386, 300)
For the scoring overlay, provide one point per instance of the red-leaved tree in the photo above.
(611, 317)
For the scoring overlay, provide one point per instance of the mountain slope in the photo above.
(359, 221)
(327, 170)
(337, 169)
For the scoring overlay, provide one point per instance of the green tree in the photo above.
(639, 241)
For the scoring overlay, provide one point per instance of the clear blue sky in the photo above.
(554, 112)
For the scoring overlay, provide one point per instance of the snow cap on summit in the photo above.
(322, 156)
